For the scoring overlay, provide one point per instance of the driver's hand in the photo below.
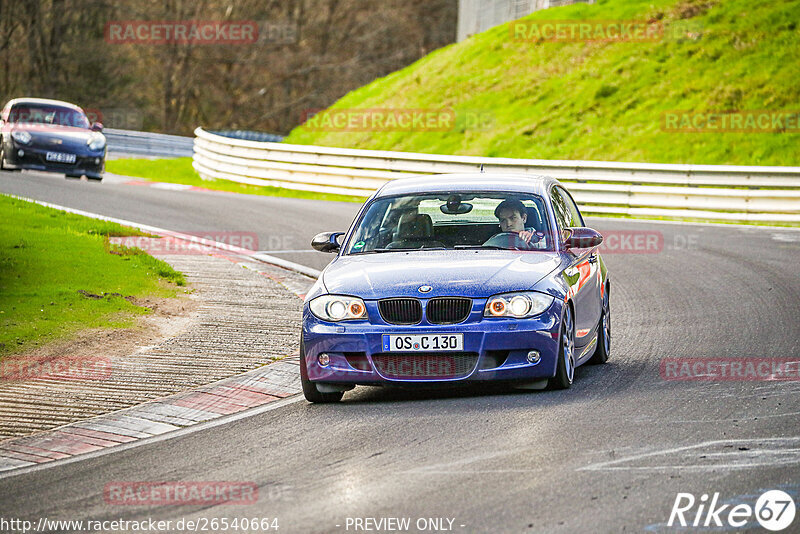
(526, 236)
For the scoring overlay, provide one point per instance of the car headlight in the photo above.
(338, 308)
(518, 305)
(21, 136)
(96, 141)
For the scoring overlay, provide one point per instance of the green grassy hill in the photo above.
(602, 100)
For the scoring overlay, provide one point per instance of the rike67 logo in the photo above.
(774, 510)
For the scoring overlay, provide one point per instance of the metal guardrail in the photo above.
(248, 135)
(476, 16)
(128, 142)
(713, 192)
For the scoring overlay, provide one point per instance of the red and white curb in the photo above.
(222, 399)
(230, 396)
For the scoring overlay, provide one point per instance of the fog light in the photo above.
(324, 359)
(534, 356)
(21, 153)
(97, 161)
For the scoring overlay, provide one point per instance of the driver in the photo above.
(512, 216)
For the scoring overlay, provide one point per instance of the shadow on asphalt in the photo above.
(590, 383)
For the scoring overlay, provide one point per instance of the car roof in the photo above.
(485, 181)
(43, 101)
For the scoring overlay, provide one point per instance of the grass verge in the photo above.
(180, 171)
(598, 100)
(58, 275)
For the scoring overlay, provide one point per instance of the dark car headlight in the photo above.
(21, 136)
(338, 308)
(518, 305)
(96, 141)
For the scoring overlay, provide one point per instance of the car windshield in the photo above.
(508, 221)
(43, 114)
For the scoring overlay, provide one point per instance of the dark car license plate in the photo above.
(60, 157)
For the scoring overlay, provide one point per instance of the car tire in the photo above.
(310, 391)
(95, 178)
(603, 349)
(3, 158)
(565, 367)
(73, 176)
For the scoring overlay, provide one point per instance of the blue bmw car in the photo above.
(457, 279)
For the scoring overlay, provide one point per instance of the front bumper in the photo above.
(90, 163)
(501, 345)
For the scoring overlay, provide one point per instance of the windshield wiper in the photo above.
(479, 247)
(375, 251)
(380, 250)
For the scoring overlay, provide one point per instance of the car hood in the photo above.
(50, 135)
(468, 273)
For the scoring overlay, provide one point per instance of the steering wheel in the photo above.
(509, 240)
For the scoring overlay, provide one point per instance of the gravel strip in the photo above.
(247, 316)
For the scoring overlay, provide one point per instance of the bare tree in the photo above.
(309, 54)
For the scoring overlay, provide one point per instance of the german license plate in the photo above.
(423, 342)
(60, 157)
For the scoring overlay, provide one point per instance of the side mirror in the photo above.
(97, 127)
(582, 237)
(327, 241)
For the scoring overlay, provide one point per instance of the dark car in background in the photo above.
(51, 135)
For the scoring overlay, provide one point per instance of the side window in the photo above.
(563, 215)
(574, 214)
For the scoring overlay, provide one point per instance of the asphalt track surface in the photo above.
(609, 455)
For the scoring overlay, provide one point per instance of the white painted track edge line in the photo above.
(265, 258)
